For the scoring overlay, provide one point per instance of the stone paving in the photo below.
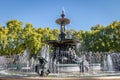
(49, 78)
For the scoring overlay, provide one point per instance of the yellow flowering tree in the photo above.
(14, 37)
(3, 40)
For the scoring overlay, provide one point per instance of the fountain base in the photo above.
(68, 67)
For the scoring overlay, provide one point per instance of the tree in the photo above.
(3, 40)
(14, 37)
(32, 39)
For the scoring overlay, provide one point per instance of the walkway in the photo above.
(49, 78)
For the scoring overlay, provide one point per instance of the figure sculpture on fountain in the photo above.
(41, 68)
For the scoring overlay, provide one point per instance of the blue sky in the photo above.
(42, 13)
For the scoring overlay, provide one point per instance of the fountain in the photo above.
(64, 58)
(64, 61)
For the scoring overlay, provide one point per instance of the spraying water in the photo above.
(45, 54)
(110, 63)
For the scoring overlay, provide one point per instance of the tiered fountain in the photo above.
(64, 58)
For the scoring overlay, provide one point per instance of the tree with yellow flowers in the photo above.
(14, 37)
(3, 40)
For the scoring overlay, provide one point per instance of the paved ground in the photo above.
(48, 78)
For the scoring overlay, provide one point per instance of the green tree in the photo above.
(14, 37)
(3, 40)
(32, 39)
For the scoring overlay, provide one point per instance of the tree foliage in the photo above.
(103, 39)
(15, 38)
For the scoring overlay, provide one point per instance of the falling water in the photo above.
(24, 59)
(45, 54)
(110, 63)
(105, 65)
(3, 62)
(85, 64)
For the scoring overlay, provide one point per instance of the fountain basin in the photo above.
(68, 67)
(95, 67)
